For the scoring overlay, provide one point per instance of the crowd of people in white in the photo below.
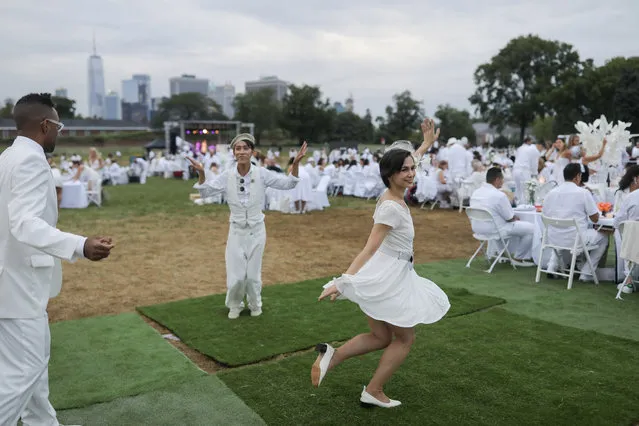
(454, 174)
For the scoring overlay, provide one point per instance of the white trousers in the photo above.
(520, 236)
(593, 238)
(24, 372)
(521, 176)
(244, 250)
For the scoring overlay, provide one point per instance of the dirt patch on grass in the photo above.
(159, 259)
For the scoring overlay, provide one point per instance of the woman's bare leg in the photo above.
(391, 359)
(379, 337)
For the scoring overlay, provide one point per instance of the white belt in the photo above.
(402, 255)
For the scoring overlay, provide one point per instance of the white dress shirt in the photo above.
(568, 201)
(629, 209)
(489, 198)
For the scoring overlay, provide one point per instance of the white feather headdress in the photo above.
(592, 136)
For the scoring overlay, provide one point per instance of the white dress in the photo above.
(387, 288)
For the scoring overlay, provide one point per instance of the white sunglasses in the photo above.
(57, 123)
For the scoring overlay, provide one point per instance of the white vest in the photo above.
(251, 214)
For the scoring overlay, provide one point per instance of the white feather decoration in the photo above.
(592, 136)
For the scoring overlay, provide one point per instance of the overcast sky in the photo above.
(371, 48)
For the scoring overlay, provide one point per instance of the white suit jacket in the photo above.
(30, 245)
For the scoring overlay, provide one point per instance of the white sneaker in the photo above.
(234, 313)
(368, 400)
(256, 312)
(320, 367)
(627, 288)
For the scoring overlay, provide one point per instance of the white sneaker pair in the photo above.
(235, 313)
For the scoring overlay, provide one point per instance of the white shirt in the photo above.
(216, 184)
(527, 158)
(489, 198)
(568, 201)
(629, 209)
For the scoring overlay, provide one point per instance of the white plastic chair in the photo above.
(482, 215)
(631, 262)
(578, 247)
(94, 191)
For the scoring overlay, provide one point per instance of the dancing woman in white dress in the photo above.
(382, 281)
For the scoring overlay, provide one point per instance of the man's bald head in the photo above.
(31, 109)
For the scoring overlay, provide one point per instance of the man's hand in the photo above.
(98, 248)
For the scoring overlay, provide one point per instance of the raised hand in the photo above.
(196, 165)
(98, 248)
(429, 132)
(301, 153)
(330, 291)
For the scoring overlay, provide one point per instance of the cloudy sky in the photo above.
(370, 48)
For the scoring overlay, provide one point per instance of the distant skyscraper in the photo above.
(137, 90)
(96, 84)
(112, 106)
(187, 83)
(61, 93)
(349, 103)
(225, 95)
(280, 87)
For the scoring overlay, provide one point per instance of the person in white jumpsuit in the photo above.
(244, 187)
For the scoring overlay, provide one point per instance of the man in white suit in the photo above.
(30, 269)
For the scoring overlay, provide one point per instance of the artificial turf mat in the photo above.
(293, 320)
(201, 401)
(489, 368)
(585, 306)
(103, 358)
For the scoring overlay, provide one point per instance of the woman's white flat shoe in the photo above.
(320, 367)
(368, 400)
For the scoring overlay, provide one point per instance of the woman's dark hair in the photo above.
(631, 173)
(391, 163)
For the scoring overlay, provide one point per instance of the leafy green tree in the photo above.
(187, 106)
(403, 120)
(260, 108)
(543, 128)
(7, 110)
(455, 123)
(517, 85)
(305, 116)
(64, 106)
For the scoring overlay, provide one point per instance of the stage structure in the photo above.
(187, 129)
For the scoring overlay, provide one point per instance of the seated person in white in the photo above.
(490, 197)
(244, 187)
(629, 208)
(570, 201)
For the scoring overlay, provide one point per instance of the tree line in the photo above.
(531, 83)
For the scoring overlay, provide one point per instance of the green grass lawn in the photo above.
(293, 320)
(487, 368)
(168, 197)
(585, 306)
(103, 358)
(202, 401)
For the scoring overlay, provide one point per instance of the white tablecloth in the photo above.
(74, 196)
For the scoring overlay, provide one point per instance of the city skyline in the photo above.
(364, 48)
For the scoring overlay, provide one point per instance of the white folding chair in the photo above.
(482, 215)
(631, 262)
(579, 246)
(94, 191)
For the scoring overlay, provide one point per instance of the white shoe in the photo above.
(368, 400)
(320, 367)
(627, 288)
(256, 312)
(234, 313)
